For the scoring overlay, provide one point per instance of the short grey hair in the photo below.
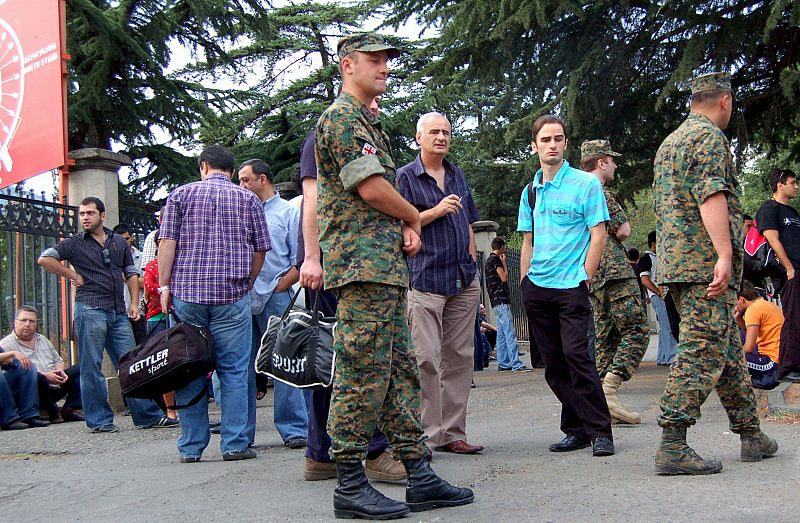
(26, 308)
(427, 116)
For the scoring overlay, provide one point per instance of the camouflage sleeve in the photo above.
(707, 173)
(350, 147)
(615, 211)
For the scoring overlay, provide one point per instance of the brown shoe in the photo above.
(385, 468)
(318, 470)
(460, 447)
(71, 414)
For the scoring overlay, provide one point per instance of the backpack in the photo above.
(759, 258)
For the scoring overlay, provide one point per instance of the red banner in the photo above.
(31, 89)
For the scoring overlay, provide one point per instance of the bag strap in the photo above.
(291, 304)
(153, 330)
(203, 392)
(532, 203)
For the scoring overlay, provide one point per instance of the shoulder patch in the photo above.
(368, 149)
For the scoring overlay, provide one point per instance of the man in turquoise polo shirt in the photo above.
(563, 240)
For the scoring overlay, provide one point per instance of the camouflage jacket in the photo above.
(359, 243)
(614, 263)
(693, 163)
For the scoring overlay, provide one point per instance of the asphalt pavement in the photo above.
(64, 473)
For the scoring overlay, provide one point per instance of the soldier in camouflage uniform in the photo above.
(699, 228)
(366, 228)
(621, 333)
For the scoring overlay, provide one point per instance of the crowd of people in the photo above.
(391, 253)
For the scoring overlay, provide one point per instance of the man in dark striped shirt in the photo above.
(99, 260)
(443, 300)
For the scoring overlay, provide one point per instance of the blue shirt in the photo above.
(283, 221)
(444, 265)
(566, 208)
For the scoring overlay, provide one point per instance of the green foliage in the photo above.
(642, 218)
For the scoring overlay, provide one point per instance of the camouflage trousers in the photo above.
(620, 326)
(377, 379)
(709, 356)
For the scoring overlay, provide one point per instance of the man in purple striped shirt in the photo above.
(443, 300)
(213, 240)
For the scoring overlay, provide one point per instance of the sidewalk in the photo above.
(63, 473)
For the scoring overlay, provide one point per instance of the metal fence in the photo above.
(517, 310)
(140, 219)
(28, 225)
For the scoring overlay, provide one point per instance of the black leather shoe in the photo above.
(354, 497)
(792, 377)
(602, 446)
(14, 425)
(425, 490)
(36, 422)
(239, 454)
(569, 443)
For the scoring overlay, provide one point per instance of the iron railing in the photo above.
(28, 226)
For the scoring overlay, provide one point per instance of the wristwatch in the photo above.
(162, 289)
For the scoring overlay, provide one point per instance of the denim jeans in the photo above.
(230, 327)
(289, 403)
(507, 348)
(19, 398)
(667, 346)
(98, 329)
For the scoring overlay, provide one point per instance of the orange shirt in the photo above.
(769, 319)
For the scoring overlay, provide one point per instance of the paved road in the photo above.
(63, 473)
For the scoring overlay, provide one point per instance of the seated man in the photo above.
(53, 378)
(19, 401)
(763, 321)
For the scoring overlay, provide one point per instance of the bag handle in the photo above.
(203, 392)
(291, 304)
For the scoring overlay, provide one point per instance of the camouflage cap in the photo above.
(365, 43)
(711, 82)
(592, 147)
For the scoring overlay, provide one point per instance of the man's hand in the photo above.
(133, 311)
(22, 359)
(449, 205)
(411, 242)
(311, 274)
(790, 274)
(55, 377)
(722, 277)
(166, 300)
(78, 281)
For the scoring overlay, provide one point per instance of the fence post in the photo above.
(96, 173)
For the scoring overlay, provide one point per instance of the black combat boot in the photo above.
(354, 497)
(425, 490)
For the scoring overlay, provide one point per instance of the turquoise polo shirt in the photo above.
(566, 208)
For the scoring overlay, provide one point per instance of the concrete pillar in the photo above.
(96, 173)
(485, 232)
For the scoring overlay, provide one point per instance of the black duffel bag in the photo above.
(166, 361)
(297, 347)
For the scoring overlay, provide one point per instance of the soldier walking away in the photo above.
(366, 228)
(700, 255)
(621, 332)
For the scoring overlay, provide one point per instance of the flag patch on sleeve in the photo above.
(368, 148)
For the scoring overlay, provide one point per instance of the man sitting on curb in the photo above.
(19, 401)
(54, 380)
(763, 321)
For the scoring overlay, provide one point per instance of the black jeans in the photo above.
(559, 320)
(48, 396)
(790, 333)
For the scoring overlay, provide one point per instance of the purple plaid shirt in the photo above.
(218, 226)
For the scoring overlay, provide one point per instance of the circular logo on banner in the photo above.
(12, 87)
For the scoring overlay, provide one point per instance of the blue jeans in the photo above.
(19, 396)
(230, 327)
(506, 346)
(289, 403)
(98, 329)
(667, 346)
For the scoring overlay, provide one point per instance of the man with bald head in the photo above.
(445, 290)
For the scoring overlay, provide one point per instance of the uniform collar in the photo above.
(348, 98)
